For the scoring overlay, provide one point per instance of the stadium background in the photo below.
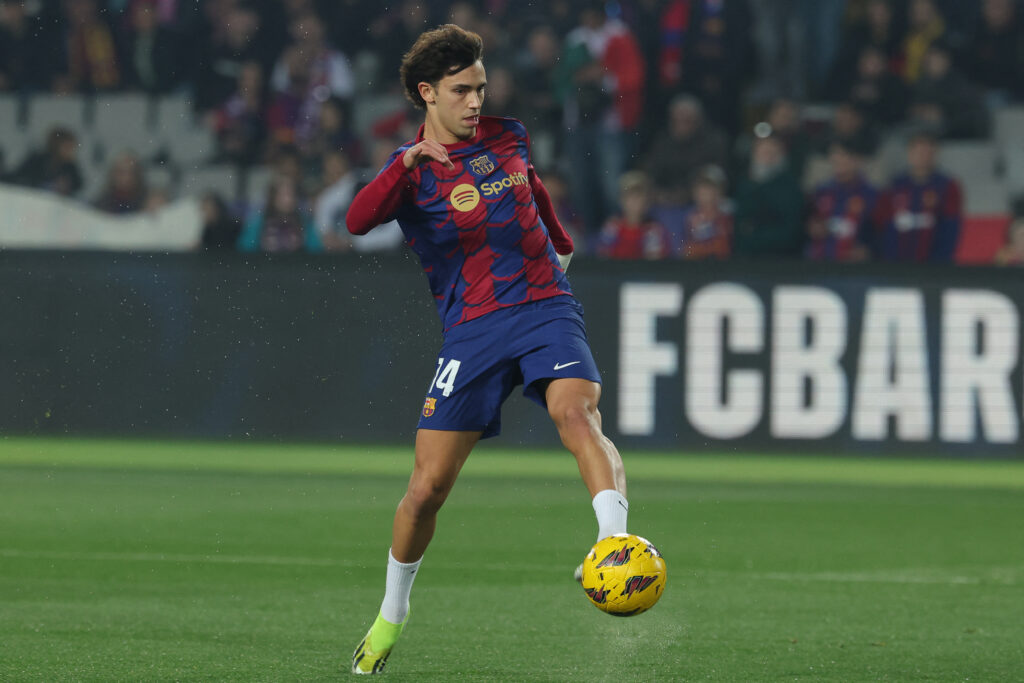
(155, 127)
(206, 406)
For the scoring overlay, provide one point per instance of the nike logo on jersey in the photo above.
(559, 366)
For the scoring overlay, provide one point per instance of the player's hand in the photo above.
(424, 151)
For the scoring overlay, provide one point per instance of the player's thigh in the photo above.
(440, 456)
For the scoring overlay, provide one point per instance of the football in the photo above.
(623, 575)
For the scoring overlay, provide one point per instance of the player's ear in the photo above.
(427, 92)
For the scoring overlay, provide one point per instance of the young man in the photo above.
(473, 209)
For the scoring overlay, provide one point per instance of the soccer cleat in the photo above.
(373, 650)
(577, 574)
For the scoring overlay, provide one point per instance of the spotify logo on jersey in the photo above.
(465, 197)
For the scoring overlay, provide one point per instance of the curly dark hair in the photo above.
(446, 50)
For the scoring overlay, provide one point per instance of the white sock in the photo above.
(397, 589)
(611, 509)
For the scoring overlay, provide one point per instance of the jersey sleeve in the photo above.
(380, 199)
(559, 237)
(556, 231)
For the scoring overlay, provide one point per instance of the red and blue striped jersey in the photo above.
(477, 229)
(846, 211)
(920, 221)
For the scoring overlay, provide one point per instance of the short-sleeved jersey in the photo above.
(477, 229)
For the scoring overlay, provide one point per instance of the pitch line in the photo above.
(998, 576)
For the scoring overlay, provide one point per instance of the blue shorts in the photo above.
(484, 359)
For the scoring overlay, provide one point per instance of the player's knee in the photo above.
(575, 417)
(426, 498)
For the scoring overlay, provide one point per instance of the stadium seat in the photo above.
(47, 111)
(980, 239)
(175, 112)
(221, 178)
(13, 141)
(1008, 128)
(975, 165)
(256, 183)
(125, 122)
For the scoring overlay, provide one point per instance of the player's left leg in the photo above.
(572, 404)
(440, 455)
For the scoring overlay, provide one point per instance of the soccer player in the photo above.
(473, 209)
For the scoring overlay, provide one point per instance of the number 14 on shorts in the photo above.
(444, 379)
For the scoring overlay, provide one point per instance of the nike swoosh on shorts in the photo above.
(559, 366)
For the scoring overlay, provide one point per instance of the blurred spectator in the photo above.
(283, 225)
(332, 132)
(925, 26)
(852, 129)
(688, 143)
(1012, 253)
(876, 90)
(718, 58)
(994, 57)
(840, 226)
(22, 64)
(796, 41)
(769, 204)
(673, 25)
(220, 228)
(156, 199)
(398, 30)
(125, 190)
(343, 184)
(307, 75)
(943, 99)
(634, 234)
(707, 224)
(920, 213)
(339, 187)
(239, 123)
(785, 123)
(327, 71)
(879, 29)
(535, 103)
(91, 61)
(601, 82)
(151, 57)
(286, 108)
(229, 38)
(54, 168)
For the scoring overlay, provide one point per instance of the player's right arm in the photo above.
(377, 202)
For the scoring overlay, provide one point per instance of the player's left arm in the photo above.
(559, 236)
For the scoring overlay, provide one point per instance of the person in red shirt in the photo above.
(633, 234)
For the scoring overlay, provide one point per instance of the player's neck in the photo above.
(433, 130)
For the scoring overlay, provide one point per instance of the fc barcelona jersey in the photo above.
(477, 229)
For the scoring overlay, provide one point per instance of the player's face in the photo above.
(453, 107)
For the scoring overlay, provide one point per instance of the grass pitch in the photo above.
(181, 561)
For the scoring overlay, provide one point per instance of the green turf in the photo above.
(130, 560)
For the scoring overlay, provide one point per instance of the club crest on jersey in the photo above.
(465, 197)
(428, 407)
(482, 165)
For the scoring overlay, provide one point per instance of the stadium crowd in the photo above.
(684, 129)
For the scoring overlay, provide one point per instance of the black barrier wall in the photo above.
(879, 359)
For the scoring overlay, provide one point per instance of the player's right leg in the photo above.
(439, 458)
